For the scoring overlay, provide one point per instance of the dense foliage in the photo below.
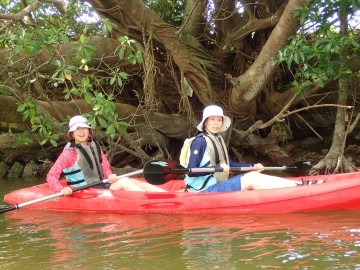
(263, 62)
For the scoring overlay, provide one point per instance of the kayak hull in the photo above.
(340, 191)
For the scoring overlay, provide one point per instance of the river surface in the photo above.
(39, 239)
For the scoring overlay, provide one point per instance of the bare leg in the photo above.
(129, 184)
(125, 184)
(255, 180)
(147, 187)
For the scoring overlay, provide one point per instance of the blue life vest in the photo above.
(215, 154)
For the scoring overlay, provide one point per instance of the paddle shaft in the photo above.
(158, 172)
(59, 194)
(220, 169)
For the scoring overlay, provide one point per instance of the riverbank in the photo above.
(309, 149)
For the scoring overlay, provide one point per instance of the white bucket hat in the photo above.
(76, 122)
(214, 110)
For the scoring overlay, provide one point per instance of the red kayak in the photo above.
(340, 191)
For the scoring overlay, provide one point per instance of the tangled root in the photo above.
(331, 164)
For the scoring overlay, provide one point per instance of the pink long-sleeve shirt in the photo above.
(67, 159)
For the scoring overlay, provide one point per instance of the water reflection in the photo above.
(38, 239)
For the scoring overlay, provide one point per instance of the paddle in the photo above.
(158, 172)
(17, 206)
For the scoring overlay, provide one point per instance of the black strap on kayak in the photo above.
(203, 185)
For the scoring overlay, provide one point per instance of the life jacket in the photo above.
(215, 154)
(87, 168)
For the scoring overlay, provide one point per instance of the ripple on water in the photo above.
(33, 239)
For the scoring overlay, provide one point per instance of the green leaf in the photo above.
(3, 91)
(121, 53)
(97, 107)
(119, 82)
(111, 130)
(90, 48)
(123, 125)
(296, 58)
(123, 75)
(21, 107)
(43, 141)
(102, 122)
(82, 38)
(17, 49)
(58, 63)
(113, 79)
(53, 143)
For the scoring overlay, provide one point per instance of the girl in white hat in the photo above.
(208, 149)
(83, 162)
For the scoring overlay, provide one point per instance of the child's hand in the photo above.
(225, 167)
(112, 178)
(66, 191)
(259, 167)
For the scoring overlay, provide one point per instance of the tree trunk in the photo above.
(335, 161)
(248, 86)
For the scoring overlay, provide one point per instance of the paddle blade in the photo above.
(8, 209)
(301, 165)
(158, 172)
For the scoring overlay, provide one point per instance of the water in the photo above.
(38, 239)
